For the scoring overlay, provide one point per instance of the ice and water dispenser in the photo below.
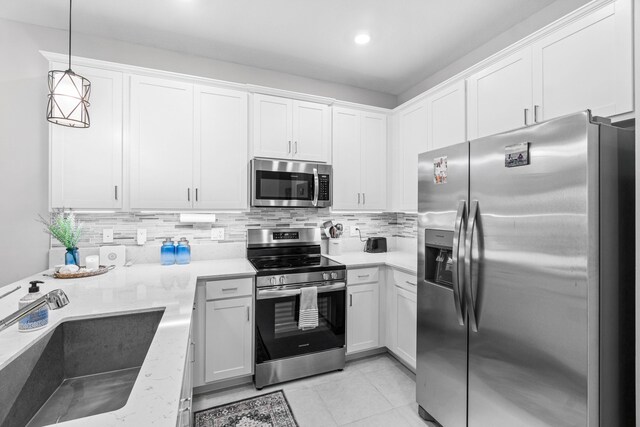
(438, 257)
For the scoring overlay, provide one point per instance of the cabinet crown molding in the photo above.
(265, 90)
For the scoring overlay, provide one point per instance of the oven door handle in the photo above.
(282, 293)
(316, 189)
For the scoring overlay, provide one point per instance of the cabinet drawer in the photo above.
(217, 289)
(362, 275)
(405, 280)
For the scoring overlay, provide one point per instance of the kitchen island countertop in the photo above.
(154, 399)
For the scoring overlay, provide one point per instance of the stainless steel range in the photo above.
(286, 261)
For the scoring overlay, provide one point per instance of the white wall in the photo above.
(530, 25)
(24, 130)
(23, 155)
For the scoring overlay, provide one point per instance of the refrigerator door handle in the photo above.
(468, 264)
(458, 279)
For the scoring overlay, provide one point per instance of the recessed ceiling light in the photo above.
(362, 38)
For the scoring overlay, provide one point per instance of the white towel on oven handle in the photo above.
(308, 308)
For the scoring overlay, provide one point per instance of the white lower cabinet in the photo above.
(228, 340)
(402, 316)
(186, 395)
(223, 330)
(363, 312)
(406, 325)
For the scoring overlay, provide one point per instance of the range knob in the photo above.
(272, 281)
(334, 275)
(325, 276)
(282, 280)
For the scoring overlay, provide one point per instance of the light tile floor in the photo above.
(373, 391)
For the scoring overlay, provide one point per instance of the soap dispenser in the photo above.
(38, 318)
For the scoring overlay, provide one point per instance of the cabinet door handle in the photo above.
(248, 314)
(535, 113)
(193, 352)
(229, 289)
(526, 114)
(295, 151)
(116, 191)
(350, 300)
(188, 194)
(411, 283)
(363, 275)
(358, 198)
(196, 194)
(289, 147)
(364, 201)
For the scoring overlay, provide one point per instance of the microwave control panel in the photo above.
(323, 192)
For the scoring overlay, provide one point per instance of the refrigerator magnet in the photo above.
(516, 155)
(440, 170)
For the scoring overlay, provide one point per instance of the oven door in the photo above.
(277, 314)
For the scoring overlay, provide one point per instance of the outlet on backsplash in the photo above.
(107, 235)
(217, 233)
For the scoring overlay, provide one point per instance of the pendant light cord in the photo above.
(70, 1)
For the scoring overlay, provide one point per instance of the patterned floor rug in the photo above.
(267, 410)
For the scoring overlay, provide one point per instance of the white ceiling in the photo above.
(410, 39)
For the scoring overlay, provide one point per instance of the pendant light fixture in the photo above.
(68, 95)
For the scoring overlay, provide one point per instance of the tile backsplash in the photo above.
(397, 227)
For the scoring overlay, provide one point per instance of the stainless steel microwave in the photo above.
(290, 184)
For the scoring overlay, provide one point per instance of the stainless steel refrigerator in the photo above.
(526, 278)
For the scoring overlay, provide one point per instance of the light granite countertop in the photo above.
(407, 261)
(154, 399)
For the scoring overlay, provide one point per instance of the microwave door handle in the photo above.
(458, 279)
(316, 188)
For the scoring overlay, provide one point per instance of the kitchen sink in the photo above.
(81, 368)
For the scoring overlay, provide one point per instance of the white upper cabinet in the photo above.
(373, 158)
(500, 96)
(221, 148)
(311, 131)
(86, 164)
(288, 129)
(161, 124)
(588, 64)
(446, 116)
(359, 159)
(346, 158)
(412, 140)
(272, 126)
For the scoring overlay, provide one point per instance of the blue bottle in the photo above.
(183, 252)
(168, 252)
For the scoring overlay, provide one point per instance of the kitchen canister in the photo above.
(335, 246)
(183, 252)
(167, 252)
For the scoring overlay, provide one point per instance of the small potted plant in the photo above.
(67, 231)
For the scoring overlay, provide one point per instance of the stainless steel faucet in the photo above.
(55, 299)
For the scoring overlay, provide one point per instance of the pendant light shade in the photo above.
(68, 99)
(68, 95)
